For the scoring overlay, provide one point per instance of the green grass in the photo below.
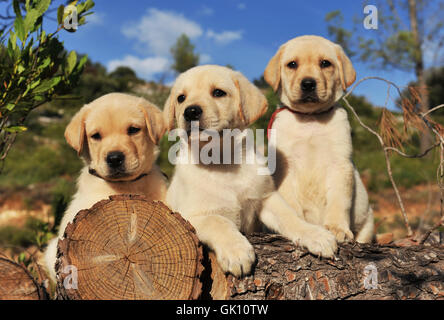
(41, 163)
(34, 232)
(40, 154)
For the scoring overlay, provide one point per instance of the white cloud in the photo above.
(97, 18)
(145, 68)
(204, 58)
(159, 30)
(206, 11)
(224, 37)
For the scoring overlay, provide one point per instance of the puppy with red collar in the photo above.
(315, 173)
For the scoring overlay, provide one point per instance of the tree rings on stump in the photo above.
(16, 283)
(129, 248)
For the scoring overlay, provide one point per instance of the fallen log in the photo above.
(16, 283)
(359, 271)
(130, 248)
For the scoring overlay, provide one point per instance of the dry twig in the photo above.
(391, 140)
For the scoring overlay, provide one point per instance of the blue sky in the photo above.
(242, 33)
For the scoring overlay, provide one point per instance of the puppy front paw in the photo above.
(318, 241)
(342, 233)
(235, 255)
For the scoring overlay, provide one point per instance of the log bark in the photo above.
(359, 271)
(129, 248)
(16, 283)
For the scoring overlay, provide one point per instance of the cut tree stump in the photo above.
(16, 283)
(129, 248)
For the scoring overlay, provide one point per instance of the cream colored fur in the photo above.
(221, 201)
(111, 115)
(315, 173)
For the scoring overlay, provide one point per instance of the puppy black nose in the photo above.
(115, 159)
(308, 84)
(192, 113)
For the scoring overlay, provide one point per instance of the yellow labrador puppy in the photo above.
(315, 173)
(223, 200)
(116, 135)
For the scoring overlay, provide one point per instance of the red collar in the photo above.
(282, 108)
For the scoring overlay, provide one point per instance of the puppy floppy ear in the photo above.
(75, 131)
(272, 73)
(154, 121)
(252, 103)
(168, 112)
(347, 73)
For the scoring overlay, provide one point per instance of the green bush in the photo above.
(12, 236)
(34, 162)
(34, 232)
(62, 193)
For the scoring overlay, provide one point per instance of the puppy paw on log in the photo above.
(128, 248)
(16, 283)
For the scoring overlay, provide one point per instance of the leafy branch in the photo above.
(34, 66)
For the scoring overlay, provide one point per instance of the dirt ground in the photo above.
(422, 204)
(17, 207)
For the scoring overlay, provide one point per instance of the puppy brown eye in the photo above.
(96, 136)
(133, 130)
(181, 98)
(325, 64)
(217, 93)
(292, 65)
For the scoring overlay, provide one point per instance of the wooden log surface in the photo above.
(359, 271)
(16, 283)
(129, 248)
